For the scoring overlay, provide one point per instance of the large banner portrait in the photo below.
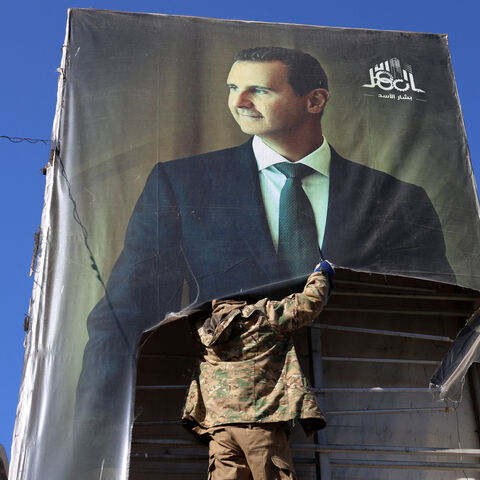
(196, 159)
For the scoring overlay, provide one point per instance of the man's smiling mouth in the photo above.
(250, 115)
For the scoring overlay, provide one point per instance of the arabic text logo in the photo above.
(391, 75)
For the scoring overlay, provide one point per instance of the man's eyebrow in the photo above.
(252, 87)
(261, 87)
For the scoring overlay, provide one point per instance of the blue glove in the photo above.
(327, 268)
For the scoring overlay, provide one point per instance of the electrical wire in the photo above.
(94, 265)
(26, 139)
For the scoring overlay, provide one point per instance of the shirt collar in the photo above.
(319, 159)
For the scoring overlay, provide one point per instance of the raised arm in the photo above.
(299, 309)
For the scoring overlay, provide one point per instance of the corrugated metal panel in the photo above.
(374, 350)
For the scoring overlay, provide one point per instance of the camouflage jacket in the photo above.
(249, 371)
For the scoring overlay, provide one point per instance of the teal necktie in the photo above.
(297, 232)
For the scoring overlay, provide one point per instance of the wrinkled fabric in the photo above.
(447, 381)
(240, 452)
(249, 370)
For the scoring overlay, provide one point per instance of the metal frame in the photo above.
(324, 448)
(320, 449)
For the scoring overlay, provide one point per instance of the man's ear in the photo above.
(317, 99)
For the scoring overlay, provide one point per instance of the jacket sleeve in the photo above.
(298, 309)
(145, 283)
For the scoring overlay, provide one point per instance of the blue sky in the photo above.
(31, 35)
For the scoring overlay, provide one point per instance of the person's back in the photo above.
(249, 384)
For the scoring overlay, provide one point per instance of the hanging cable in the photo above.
(25, 139)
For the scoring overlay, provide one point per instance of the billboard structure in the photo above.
(162, 194)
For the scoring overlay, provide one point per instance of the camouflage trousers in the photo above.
(247, 452)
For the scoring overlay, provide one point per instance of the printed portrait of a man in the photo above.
(255, 214)
(200, 166)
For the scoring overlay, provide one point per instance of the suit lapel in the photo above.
(351, 207)
(252, 225)
(337, 227)
(344, 230)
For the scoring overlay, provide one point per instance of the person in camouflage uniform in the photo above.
(249, 384)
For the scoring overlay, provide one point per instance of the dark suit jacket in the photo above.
(200, 222)
(375, 222)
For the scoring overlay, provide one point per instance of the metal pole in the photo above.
(318, 381)
(384, 285)
(406, 465)
(381, 360)
(374, 331)
(436, 313)
(473, 376)
(390, 450)
(153, 423)
(374, 390)
(161, 387)
(402, 296)
(394, 411)
(311, 366)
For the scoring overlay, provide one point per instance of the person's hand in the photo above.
(326, 267)
(329, 271)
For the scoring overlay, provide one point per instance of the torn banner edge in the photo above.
(22, 440)
(448, 380)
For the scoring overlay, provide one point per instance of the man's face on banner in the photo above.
(263, 102)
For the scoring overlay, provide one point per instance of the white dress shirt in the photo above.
(316, 185)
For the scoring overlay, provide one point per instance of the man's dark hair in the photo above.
(304, 71)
